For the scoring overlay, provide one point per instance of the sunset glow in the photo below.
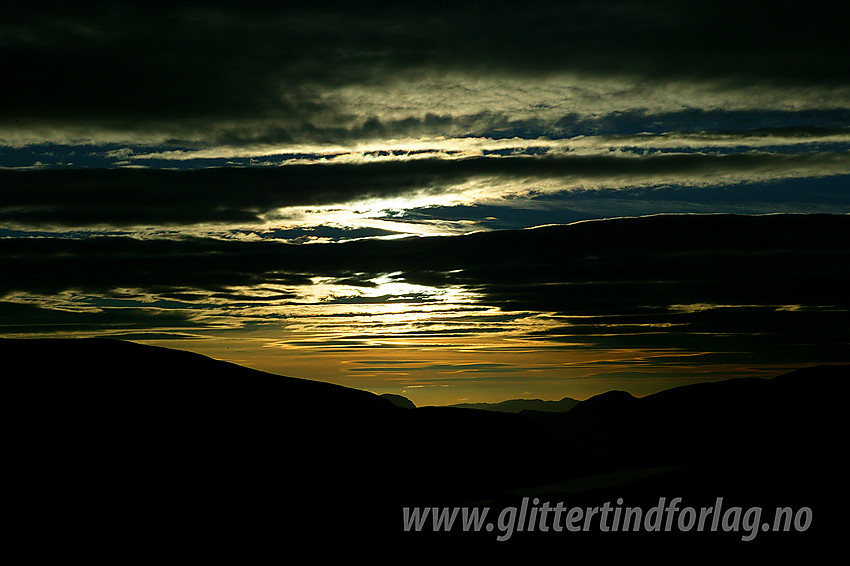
(464, 203)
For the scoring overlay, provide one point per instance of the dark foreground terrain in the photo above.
(118, 450)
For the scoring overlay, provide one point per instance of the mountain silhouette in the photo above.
(770, 443)
(690, 419)
(518, 405)
(177, 442)
(399, 401)
(119, 446)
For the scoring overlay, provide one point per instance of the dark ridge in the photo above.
(766, 443)
(749, 416)
(399, 401)
(173, 442)
(118, 446)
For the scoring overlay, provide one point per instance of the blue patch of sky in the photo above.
(824, 194)
(641, 122)
(742, 146)
(636, 122)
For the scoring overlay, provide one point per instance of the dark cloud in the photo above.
(724, 334)
(127, 197)
(767, 284)
(18, 318)
(663, 260)
(143, 66)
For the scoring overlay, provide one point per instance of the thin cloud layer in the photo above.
(246, 196)
(673, 283)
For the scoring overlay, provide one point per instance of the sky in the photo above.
(456, 202)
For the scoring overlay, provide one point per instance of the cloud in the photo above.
(226, 73)
(26, 319)
(258, 196)
(654, 280)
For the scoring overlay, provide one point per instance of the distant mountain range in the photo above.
(509, 406)
(518, 405)
(119, 445)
